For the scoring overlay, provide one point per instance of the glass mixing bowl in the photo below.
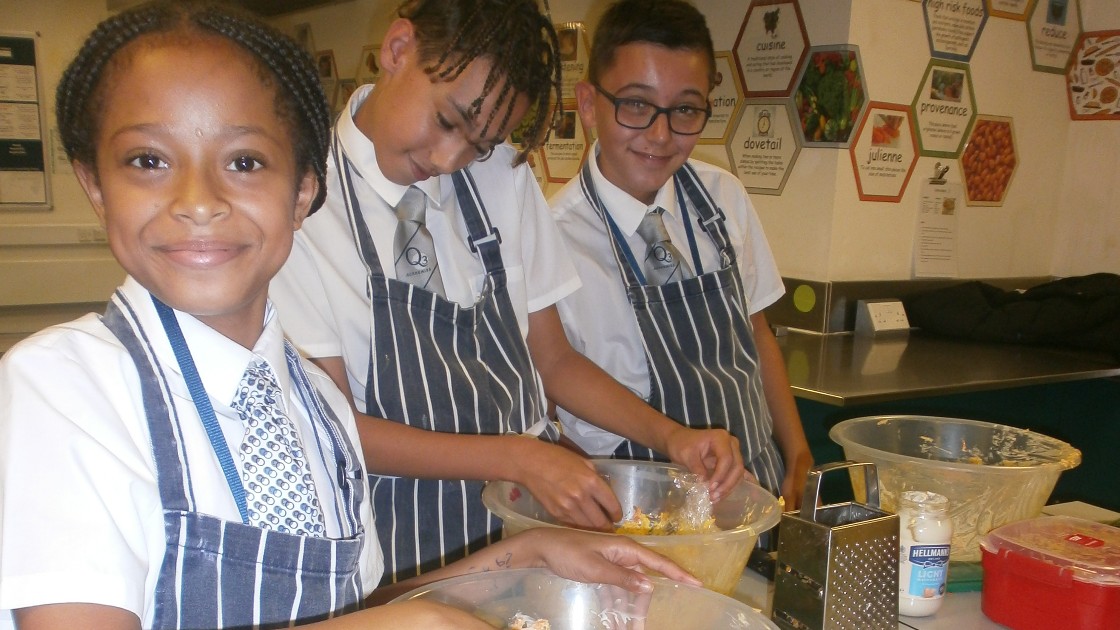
(499, 596)
(717, 558)
(992, 474)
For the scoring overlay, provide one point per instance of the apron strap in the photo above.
(709, 214)
(628, 266)
(688, 189)
(358, 227)
(484, 239)
(350, 486)
(202, 404)
(175, 488)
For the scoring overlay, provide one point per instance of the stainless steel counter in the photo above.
(845, 369)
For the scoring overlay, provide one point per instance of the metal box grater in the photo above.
(837, 564)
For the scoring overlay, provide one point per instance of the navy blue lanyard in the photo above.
(629, 254)
(202, 404)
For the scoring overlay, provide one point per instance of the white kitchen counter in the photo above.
(960, 611)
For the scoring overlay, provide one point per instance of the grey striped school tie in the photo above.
(663, 263)
(415, 251)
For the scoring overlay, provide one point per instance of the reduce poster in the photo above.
(23, 173)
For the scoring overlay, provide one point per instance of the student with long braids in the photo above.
(174, 463)
(449, 349)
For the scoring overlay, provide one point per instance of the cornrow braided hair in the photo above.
(281, 62)
(515, 37)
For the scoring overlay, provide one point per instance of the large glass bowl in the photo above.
(498, 596)
(716, 558)
(992, 474)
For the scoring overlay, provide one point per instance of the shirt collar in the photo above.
(360, 151)
(627, 211)
(220, 361)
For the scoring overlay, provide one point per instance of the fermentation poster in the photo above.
(23, 172)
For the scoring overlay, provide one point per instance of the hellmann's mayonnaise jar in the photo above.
(925, 532)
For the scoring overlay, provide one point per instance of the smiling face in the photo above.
(421, 127)
(640, 161)
(195, 179)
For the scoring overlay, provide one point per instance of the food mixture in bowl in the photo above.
(694, 516)
(525, 622)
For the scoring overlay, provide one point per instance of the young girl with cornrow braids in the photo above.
(174, 463)
(450, 344)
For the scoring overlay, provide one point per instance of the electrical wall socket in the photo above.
(877, 317)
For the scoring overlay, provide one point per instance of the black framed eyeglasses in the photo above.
(634, 113)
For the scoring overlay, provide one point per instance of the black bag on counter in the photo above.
(1080, 312)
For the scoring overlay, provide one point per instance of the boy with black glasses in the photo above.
(675, 267)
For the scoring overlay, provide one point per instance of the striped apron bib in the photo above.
(703, 363)
(224, 574)
(438, 366)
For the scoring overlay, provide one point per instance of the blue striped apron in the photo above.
(438, 366)
(224, 574)
(703, 363)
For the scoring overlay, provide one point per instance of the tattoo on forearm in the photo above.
(505, 562)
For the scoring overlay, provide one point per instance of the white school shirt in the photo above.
(80, 512)
(321, 290)
(598, 317)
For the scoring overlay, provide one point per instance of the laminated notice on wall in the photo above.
(23, 157)
(935, 241)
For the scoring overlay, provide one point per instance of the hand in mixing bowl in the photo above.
(574, 554)
(711, 453)
(596, 558)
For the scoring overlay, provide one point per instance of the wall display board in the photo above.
(944, 108)
(563, 154)
(369, 64)
(24, 180)
(831, 96)
(771, 46)
(764, 146)
(953, 26)
(1093, 79)
(1052, 29)
(574, 52)
(726, 99)
(884, 152)
(989, 160)
(328, 75)
(1010, 9)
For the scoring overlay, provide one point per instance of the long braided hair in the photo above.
(515, 37)
(282, 63)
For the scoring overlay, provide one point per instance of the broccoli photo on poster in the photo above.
(830, 95)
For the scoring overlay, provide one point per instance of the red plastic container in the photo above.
(1052, 572)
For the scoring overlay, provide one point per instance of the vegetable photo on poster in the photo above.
(830, 95)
